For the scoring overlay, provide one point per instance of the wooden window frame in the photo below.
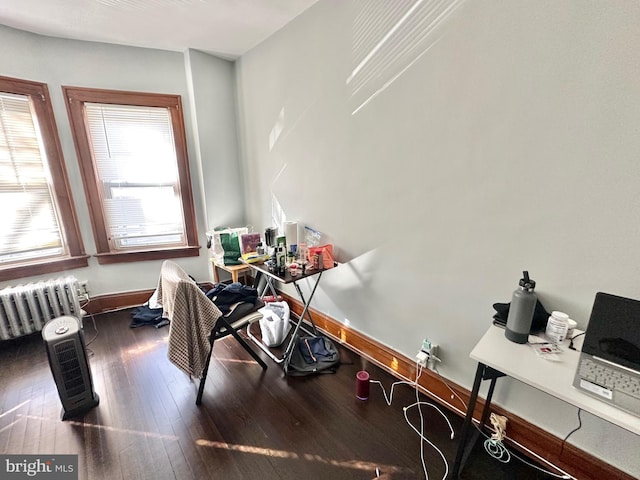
(75, 98)
(62, 196)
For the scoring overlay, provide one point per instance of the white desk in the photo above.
(497, 357)
(555, 378)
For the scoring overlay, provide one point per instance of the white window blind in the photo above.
(29, 224)
(135, 159)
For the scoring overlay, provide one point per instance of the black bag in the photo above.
(540, 316)
(312, 355)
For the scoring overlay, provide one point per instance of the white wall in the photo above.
(213, 101)
(510, 143)
(208, 99)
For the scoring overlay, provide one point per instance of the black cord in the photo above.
(573, 338)
(572, 431)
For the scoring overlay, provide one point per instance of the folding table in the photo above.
(314, 275)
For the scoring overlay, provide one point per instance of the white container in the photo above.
(557, 327)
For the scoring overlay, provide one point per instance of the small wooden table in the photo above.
(234, 270)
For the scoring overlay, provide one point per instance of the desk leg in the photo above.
(268, 286)
(466, 444)
(216, 277)
(466, 426)
(234, 276)
(294, 334)
(487, 403)
(297, 325)
(304, 302)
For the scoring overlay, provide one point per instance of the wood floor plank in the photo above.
(252, 424)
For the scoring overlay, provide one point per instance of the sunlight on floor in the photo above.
(103, 427)
(140, 349)
(14, 408)
(10, 425)
(236, 360)
(11, 410)
(269, 452)
(353, 464)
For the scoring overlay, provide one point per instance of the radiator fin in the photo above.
(24, 309)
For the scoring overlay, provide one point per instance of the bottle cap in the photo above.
(526, 282)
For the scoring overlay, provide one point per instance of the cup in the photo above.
(293, 269)
(362, 385)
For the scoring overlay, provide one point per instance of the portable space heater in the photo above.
(64, 342)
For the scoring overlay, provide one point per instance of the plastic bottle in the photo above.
(302, 253)
(318, 262)
(557, 327)
(280, 259)
(523, 304)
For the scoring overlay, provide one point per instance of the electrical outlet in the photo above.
(433, 357)
(429, 356)
(422, 358)
(83, 291)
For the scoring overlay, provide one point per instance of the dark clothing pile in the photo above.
(226, 296)
(144, 315)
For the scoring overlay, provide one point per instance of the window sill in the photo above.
(141, 256)
(46, 266)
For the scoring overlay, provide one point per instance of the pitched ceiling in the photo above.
(227, 28)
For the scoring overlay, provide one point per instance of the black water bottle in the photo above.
(523, 304)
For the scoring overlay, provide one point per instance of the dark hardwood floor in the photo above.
(251, 424)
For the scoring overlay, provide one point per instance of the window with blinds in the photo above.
(133, 160)
(38, 226)
(30, 228)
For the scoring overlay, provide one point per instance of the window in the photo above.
(38, 225)
(133, 159)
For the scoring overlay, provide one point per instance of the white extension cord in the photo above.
(418, 403)
(494, 445)
(496, 448)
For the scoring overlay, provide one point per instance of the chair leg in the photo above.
(204, 374)
(248, 349)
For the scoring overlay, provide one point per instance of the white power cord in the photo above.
(494, 446)
(418, 403)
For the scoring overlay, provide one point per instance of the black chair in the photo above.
(196, 323)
